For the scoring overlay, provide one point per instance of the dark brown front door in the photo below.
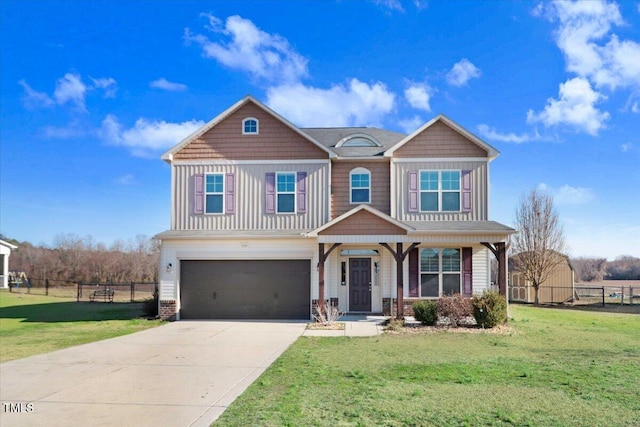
(359, 284)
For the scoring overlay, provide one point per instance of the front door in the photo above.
(359, 284)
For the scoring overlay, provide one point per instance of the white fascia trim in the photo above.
(367, 158)
(242, 255)
(251, 162)
(439, 159)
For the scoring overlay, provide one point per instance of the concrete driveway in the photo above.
(180, 374)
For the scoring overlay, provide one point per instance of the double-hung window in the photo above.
(440, 191)
(440, 270)
(360, 182)
(286, 192)
(214, 193)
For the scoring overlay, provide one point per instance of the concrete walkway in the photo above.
(180, 374)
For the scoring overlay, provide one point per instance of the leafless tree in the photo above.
(539, 240)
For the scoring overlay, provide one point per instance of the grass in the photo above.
(35, 324)
(556, 368)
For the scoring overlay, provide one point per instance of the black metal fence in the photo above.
(578, 294)
(122, 292)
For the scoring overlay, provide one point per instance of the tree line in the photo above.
(591, 269)
(74, 259)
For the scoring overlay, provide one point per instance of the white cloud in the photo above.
(575, 108)
(33, 98)
(70, 88)
(418, 96)
(462, 72)
(72, 130)
(126, 180)
(585, 37)
(627, 147)
(491, 134)
(109, 86)
(354, 104)
(568, 195)
(147, 137)
(409, 125)
(165, 84)
(390, 4)
(247, 48)
(635, 108)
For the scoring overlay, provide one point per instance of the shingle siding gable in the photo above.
(275, 140)
(439, 140)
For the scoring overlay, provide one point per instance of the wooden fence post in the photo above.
(46, 286)
(133, 291)
(603, 304)
(79, 292)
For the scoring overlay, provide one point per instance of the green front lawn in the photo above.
(554, 367)
(34, 324)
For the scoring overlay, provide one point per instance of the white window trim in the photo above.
(440, 191)
(359, 171)
(244, 121)
(206, 193)
(295, 192)
(440, 272)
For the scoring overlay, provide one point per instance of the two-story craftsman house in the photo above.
(268, 219)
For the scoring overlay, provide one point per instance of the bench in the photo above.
(104, 294)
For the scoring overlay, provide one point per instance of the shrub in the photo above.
(490, 309)
(456, 308)
(150, 306)
(426, 312)
(394, 325)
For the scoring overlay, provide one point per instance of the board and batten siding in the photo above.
(479, 190)
(250, 190)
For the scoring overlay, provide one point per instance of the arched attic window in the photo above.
(360, 186)
(358, 140)
(250, 126)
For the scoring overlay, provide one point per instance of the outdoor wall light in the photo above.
(169, 267)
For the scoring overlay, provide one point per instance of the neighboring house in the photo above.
(268, 219)
(5, 252)
(558, 288)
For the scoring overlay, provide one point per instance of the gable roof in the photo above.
(491, 151)
(168, 156)
(8, 245)
(356, 210)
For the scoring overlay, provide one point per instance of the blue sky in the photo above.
(92, 93)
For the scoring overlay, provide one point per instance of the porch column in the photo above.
(399, 256)
(322, 257)
(499, 250)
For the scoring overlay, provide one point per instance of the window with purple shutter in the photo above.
(301, 190)
(413, 192)
(198, 194)
(466, 191)
(230, 193)
(467, 267)
(270, 192)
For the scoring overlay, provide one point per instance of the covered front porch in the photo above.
(372, 263)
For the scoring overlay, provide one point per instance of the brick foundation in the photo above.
(167, 310)
(389, 306)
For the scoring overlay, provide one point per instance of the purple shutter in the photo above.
(198, 194)
(466, 191)
(301, 189)
(230, 193)
(414, 273)
(467, 267)
(413, 205)
(270, 201)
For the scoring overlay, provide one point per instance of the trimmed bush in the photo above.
(490, 309)
(456, 308)
(426, 312)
